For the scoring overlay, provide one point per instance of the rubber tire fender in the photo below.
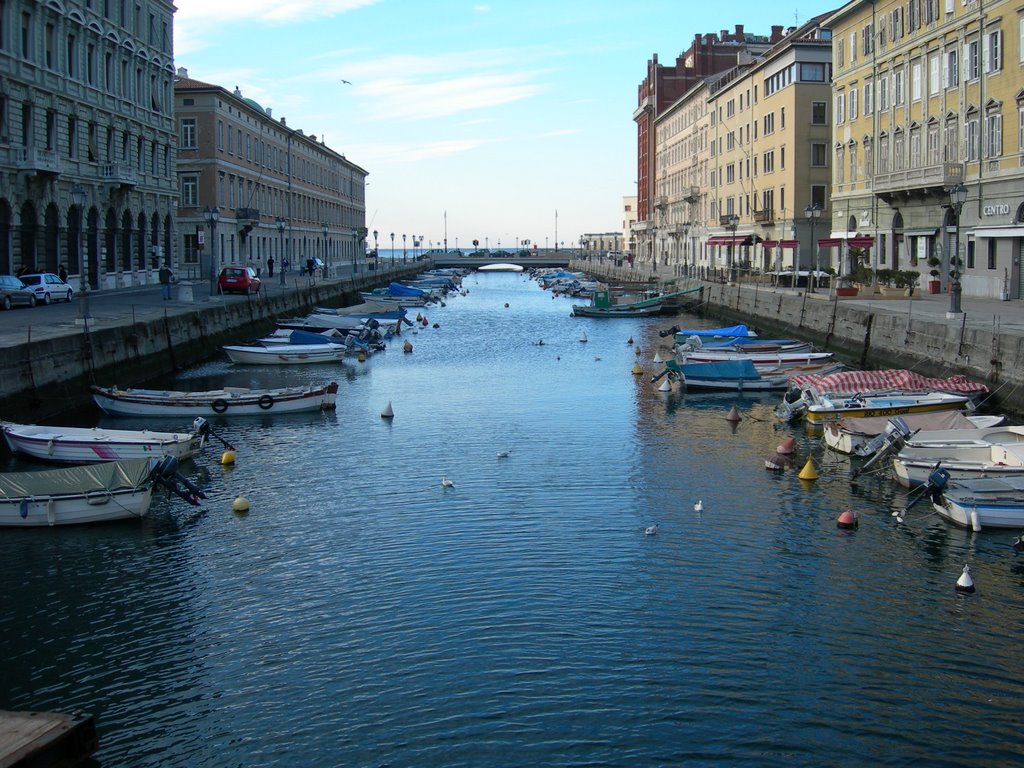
(266, 402)
(219, 405)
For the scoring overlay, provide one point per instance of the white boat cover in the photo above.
(866, 382)
(875, 425)
(74, 481)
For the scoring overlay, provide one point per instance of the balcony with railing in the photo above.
(119, 174)
(249, 216)
(921, 180)
(661, 202)
(693, 195)
(764, 216)
(34, 160)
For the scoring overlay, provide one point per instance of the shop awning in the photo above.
(861, 242)
(769, 244)
(829, 242)
(734, 240)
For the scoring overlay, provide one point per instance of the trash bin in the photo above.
(185, 293)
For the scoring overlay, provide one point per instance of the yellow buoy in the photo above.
(407, 347)
(637, 351)
(362, 356)
(240, 505)
(808, 472)
(228, 457)
(637, 369)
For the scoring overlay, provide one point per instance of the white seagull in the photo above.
(650, 530)
(699, 506)
(503, 454)
(446, 483)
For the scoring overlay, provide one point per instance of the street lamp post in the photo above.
(79, 198)
(403, 249)
(281, 257)
(732, 222)
(392, 249)
(376, 253)
(957, 198)
(813, 213)
(325, 229)
(686, 249)
(212, 215)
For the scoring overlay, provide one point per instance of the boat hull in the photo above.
(72, 445)
(95, 507)
(230, 401)
(820, 415)
(286, 354)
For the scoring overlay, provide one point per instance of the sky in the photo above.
(498, 121)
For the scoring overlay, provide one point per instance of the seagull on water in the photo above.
(503, 454)
(446, 483)
(699, 506)
(650, 530)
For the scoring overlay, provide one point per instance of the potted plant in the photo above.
(845, 286)
(933, 283)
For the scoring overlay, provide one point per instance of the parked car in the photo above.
(13, 293)
(47, 287)
(238, 280)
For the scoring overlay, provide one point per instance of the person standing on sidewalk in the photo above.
(270, 266)
(165, 281)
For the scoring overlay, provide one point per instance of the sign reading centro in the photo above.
(998, 209)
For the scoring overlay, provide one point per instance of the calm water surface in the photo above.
(362, 615)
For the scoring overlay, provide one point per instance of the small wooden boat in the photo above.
(968, 454)
(93, 493)
(861, 436)
(286, 354)
(780, 358)
(736, 375)
(649, 310)
(81, 445)
(233, 401)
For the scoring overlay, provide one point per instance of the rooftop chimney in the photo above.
(182, 72)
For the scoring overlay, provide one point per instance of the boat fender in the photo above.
(266, 402)
(49, 447)
(219, 405)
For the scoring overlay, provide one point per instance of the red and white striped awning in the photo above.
(865, 382)
(726, 239)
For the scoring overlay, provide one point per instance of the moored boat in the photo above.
(976, 504)
(91, 493)
(862, 436)
(625, 311)
(736, 375)
(232, 401)
(79, 445)
(987, 453)
(286, 354)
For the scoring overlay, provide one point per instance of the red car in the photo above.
(238, 280)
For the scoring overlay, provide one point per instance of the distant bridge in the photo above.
(538, 258)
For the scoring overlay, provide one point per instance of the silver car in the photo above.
(13, 293)
(47, 287)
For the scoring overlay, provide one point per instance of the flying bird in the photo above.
(347, 82)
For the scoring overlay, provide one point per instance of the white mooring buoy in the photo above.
(965, 583)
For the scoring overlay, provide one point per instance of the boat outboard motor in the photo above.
(165, 473)
(201, 427)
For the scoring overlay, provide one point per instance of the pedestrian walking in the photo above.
(270, 266)
(165, 281)
(62, 273)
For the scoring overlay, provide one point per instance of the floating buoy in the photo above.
(1018, 543)
(847, 519)
(965, 583)
(437, 325)
(657, 358)
(407, 347)
(388, 412)
(629, 340)
(637, 351)
(733, 415)
(650, 530)
(699, 506)
(227, 458)
(787, 446)
(665, 386)
(777, 463)
(506, 305)
(637, 369)
(240, 505)
(362, 356)
(419, 317)
(809, 472)
(583, 338)
(425, 322)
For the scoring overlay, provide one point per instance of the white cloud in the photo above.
(267, 11)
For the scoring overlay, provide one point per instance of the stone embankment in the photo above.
(985, 343)
(50, 359)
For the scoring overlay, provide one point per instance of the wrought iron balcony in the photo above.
(35, 160)
(661, 202)
(122, 175)
(765, 216)
(693, 195)
(918, 181)
(247, 216)
(678, 229)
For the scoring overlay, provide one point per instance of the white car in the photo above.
(47, 287)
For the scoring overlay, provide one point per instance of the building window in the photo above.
(993, 134)
(994, 51)
(915, 147)
(869, 160)
(869, 105)
(190, 191)
(840, 107)
(898, 88)
(883, 93)
(220, 135)
(72, 54)
(819, 113)
(812, 73)
(934, 82)
(970, 254)
(898, 151)
(992, 252)
(971, 139)
(72, 137)
(188, 133)
(915, 81)
(840, 166)
(48, 44)
(190, 249)
(972, 66)
(768, 161)
(950, 147)
(852, 103)
(1020, 127)
(818, 195)
(933, 144)
(769, 123)
(819, 155)
(853, 163)
(883, 154)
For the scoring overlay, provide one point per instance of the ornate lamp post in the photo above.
(813, 213)
(212, 215)
(376, 253)
(281, 256)
(732, 222)
(403, 249)
(957, 198)
(80, 198)
(392, 249)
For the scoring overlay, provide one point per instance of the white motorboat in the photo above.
(976, 504)
(92, 493)
(989, 452)
(81, 445)
(862, 436)
(230, 401)
(286, 354)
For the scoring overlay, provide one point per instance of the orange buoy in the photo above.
(787, 446)
(407, 347)
(733, 415)
(848, 519)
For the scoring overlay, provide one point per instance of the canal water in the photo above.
(363, 615)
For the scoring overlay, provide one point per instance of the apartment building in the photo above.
(661, 88)
(87, 139)
(252, 189)
(927, 93)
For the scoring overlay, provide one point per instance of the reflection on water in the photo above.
(362, 614)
